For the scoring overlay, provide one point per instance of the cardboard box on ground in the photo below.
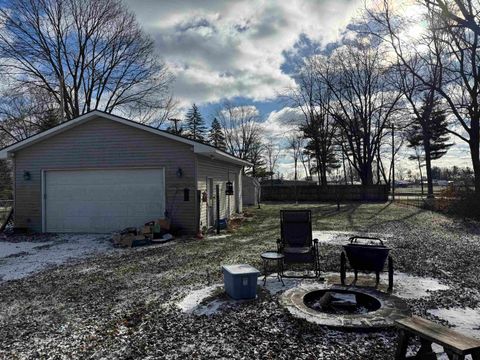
(151, 232)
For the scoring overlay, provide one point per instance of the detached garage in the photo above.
(100, 173)
(102, 200)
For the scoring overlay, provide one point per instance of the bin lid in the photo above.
(240, 269)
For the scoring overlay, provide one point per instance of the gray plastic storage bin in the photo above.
(240, 281)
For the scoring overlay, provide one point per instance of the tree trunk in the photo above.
(296, 196)
(428, 166)
(378, 164)
(319, 163)
(475, 153)
(366, 175)
(420, 170)
(323, 172)
(344, 168)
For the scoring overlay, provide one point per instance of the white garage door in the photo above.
(99, 201)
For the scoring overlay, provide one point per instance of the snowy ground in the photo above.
(167, 301)
(341, 237)
(204, 301)
(21, 259)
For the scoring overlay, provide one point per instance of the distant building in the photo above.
(251, 190)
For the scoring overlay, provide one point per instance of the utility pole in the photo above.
(393, 160)
(175, 125)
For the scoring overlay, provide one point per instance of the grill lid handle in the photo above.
(354, 239)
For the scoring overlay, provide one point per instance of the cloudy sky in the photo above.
(244, 50)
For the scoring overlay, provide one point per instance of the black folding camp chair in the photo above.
(296, 242)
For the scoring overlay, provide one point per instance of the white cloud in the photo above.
(279, 124)
(222, 49)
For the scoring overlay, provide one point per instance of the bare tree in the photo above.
(85, 54)
(242, 131)
(313, 97)
(458, 60)
(25, 114)
(365, 102)
(462, 13)
(295, 145)
(272, 153)
(305, 159)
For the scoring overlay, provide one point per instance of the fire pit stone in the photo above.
(370, 309)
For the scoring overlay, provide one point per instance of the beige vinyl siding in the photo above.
(220, 172)
(102, 143)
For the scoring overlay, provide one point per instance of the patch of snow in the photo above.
(9, 249)
(194, 298)
(275, 286)
(405, 286)
(211, 308)
(246, 239)
(217, 237)
(37, 256)
(466, 321)
(415, 287)
(341, 237)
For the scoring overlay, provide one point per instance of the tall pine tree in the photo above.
(195, 125)
(429, 135)
(216, 136)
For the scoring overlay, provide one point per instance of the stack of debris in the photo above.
(157, 231)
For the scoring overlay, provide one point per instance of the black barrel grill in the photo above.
(367, 256)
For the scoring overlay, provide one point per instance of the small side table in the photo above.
(277, 257)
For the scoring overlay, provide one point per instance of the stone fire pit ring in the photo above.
(391, 309)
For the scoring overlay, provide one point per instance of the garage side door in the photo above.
(99, 201)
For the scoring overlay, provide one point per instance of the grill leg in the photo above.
(343, 270)
(377, 275)
(390, 273)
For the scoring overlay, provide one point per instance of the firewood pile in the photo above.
(151, 232)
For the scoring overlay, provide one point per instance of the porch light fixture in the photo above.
(229, 188)
(27, 176)
(179, 172)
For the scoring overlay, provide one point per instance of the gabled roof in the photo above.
(198, 147)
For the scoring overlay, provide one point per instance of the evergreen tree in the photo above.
(256, 157)
(216, 136)
(320, 148)
(428, 136)
(195, 125)
(435, 130)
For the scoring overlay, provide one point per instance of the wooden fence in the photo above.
(325, 193)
